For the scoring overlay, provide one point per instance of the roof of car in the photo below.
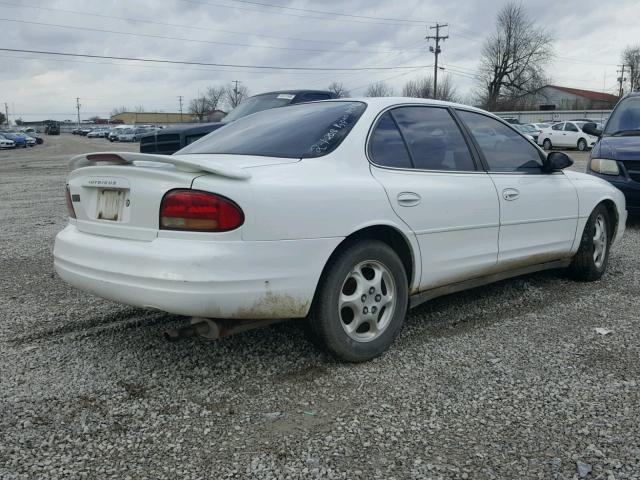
(293, 92)
(382, 102)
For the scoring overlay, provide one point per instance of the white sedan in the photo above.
(6, 143)
(566, 135)
(344, 212)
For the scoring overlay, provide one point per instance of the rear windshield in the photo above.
(257, 104)
(299, 131)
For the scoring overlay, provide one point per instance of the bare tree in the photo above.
(139, 109)
(199, 107)
(423, 88)
(339, 89)
(234, 96)
(513, 57)
(215, 96)
(631, 60)
(119, 110)
(379, 89)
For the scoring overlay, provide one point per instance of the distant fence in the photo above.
(540, 116)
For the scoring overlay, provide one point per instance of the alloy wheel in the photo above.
(600, 241)
(367, 301)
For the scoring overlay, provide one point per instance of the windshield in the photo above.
(625, 118)
(299, 131)
(257, 104)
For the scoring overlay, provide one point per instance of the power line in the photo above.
(194, 40)
(177, 25)
(324, 12)
(184, 62)
(350, 20)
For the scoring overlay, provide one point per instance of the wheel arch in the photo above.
(398, 240)
(612, 210)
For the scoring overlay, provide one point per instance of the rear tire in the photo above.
(582, 145)
(361, 302)
(590, 263)
(547, 144)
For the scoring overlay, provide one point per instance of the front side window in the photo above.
(306, 130)
(557, 126)
(504, 149)
(386, 147)
(433, 139)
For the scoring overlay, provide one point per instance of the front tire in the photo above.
(582, 145)
(592, 258)
(361, 302)
(547, 144)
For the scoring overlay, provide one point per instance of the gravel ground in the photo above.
(506, 381)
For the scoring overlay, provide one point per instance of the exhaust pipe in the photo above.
(212, 329)
(203, 327)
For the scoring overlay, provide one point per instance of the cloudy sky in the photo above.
(369, 33)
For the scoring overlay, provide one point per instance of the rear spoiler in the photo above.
(193, 165)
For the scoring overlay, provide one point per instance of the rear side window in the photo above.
(570, 127)
(504, 149)
(433, 139)
(298, 131)
(386, 147)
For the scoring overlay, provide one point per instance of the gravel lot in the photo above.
(506, 381)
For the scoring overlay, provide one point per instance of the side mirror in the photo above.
(557, 161)
(591, 129)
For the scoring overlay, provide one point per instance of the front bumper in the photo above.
(629, 187)
(202, 278)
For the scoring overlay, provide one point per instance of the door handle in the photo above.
(409, 199)
(510, 194)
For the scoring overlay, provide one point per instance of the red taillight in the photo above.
(199, 211)
(72, 212)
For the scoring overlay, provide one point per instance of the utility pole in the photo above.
(235, 92)
(180, 100)
(621, 80)
(78, 108)
(436, 51)
(6, 111)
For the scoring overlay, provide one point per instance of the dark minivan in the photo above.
(616, 156)
(171, 140)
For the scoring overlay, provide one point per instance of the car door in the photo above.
(555, 134)
(571, 135)
(423, 161)
(538, 211)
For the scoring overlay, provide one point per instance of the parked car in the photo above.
(511, 120)
(31, 141)
(6, 142)
(346, 212)
(98, 133)
(52, 128)
(126, 135)
(616, 156)
(18, 140)
(76, 131)
(39, 139)
(529, 131)
(566, 135)
(84, 131)
(171, 140)
(113, 133)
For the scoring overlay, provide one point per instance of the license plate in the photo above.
(110, 204)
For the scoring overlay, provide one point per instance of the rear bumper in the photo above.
(239, 279)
